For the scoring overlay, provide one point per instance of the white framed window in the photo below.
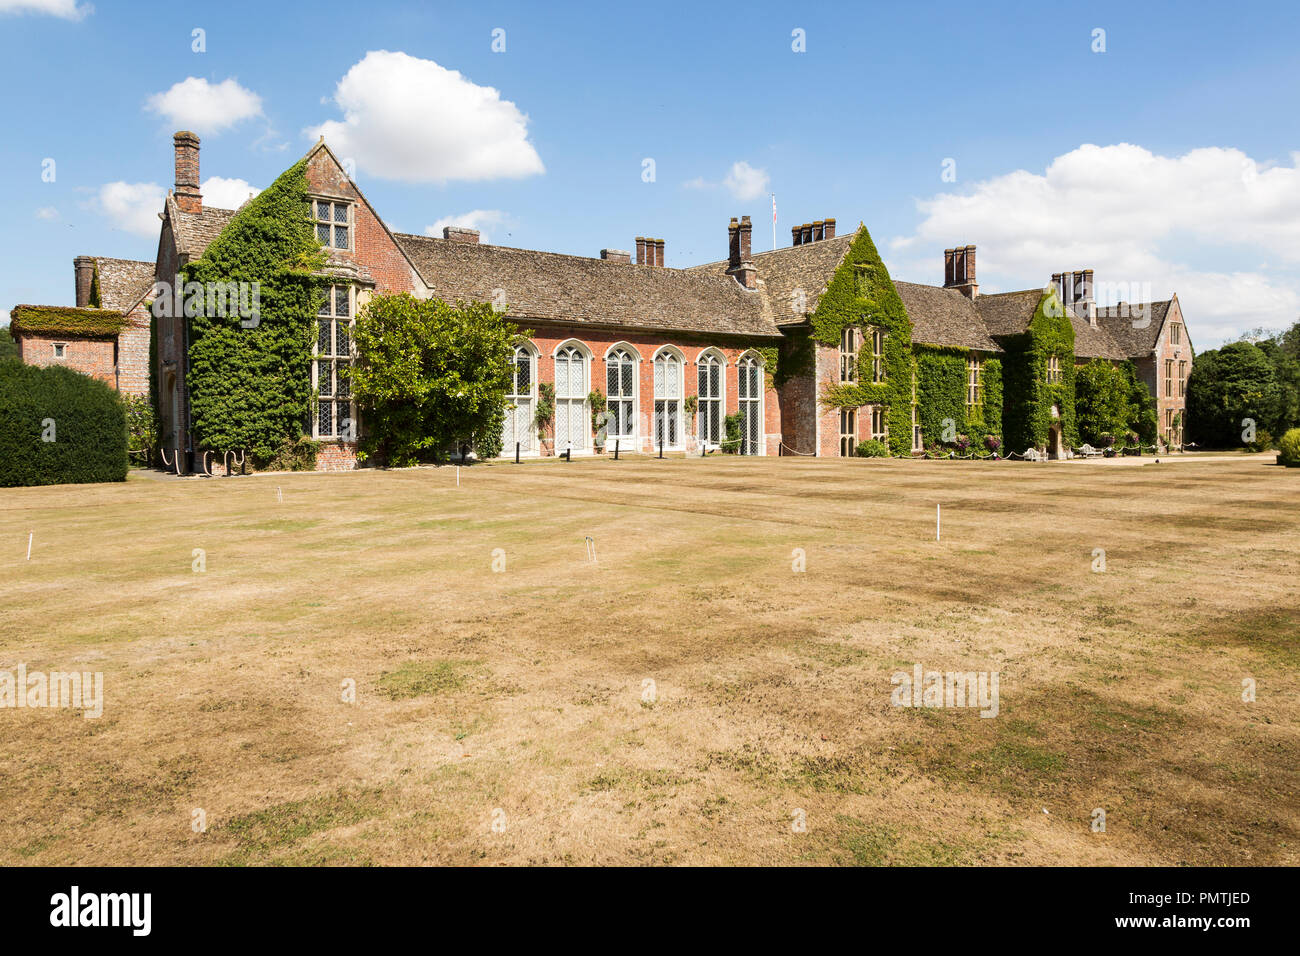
(974, 384)
(333, 219)
(750, 393)
(848, 432)
(1053, 370)
(620, 394)
(60, 350)
(877, 355)
(521, 404)
(712, 392)
(668, 399)
(332, 352)
(879, 423)
(917, 442)
(850, 342)
(571, 424)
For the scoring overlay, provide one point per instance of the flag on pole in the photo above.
(773, 195)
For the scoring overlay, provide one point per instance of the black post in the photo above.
(516, 453)
(616, 449)
(661, 446)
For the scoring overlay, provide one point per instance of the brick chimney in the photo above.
(188, 197)
(1075, 290)
(659, 252)
(616, 255)
(460, 234)
(959, 270)
(740, 261)
(796, 235)
(641, 259)
(83, 268)
(829, 231)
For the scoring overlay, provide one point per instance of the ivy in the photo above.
(861, 294)
(1028, 415)
(251, 387)
(61, 320)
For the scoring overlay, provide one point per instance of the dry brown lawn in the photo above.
(504, 717)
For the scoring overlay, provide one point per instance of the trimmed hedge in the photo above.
(1288, 449)
(61, 320)
(84, 417)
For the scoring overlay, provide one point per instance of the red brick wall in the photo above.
(133, 354)
(1172, 404)
(646, 345)
(93, 357)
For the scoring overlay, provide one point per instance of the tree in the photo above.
(8, 347)
(1101, 401)
(1227, 389)
(430, 377)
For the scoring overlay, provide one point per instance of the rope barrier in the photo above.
(805, 454)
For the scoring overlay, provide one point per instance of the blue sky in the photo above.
(1166, 162)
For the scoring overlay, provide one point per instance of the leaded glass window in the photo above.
(750, 388)
(668, 400)
(620, 394)
(333, 223)
(333, 356)
(711, 394)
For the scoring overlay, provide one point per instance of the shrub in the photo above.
(962, 444)
(142, 426)
(992, 442)
(295, 455)
(1263, 441)
(1288, 449)
(59, 427)
(732, 424)
(873, 449)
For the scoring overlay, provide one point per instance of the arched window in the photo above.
(571, 425)
(620, 394)
(518, 427)
(750, 387)
(668, 399)
(711, 393)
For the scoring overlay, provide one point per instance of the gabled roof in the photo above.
(555, 287)
(1135, 342)
(783, 272)
(123, 282)
(944, 317)
(1008, 313)
(196, 231)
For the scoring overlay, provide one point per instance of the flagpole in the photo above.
(773, 195)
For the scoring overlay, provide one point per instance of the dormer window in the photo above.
(333, 223)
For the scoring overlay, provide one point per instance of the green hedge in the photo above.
(1028, 411)
(1288, 449)
(84, 418)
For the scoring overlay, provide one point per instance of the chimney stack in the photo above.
(829, 230)
(740, 262)
(188, 197)
(959, 270)
(84, 269)
(1075, 290)
(616, 255)
(641, 251)
(819, 230)
(659, 252)
(460, 234)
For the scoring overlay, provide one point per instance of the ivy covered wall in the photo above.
(1029, 397)
(251, 387)
(862, 294)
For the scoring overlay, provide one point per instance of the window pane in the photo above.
(324, 419)
(324, 384)
(340, 237)
(322, 210)
(323, 234)
(611, 379)
(343, 418)
(341, 212)
(626, 375)
(344, 342)
(524, 378)
(323, 337)
(344, 386)
(342, 301)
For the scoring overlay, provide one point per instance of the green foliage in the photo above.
(96, 298)
(430, 377)
(61, 320)
(862, 294)
(8, 347)
(1226, 387)
(296, 454)
(597, 403)
(545, 415)
(1028, 420)
(733, 425)
(941, 394)
(141, 425)
(251, 387)
(992, 380)
(59, 427)
(872, 449)
(1288, 449)
(1110, 400)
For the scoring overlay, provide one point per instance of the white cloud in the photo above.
(226, 193)
(64, 9)
(1136, 218)
(132, 207)
(4, 317)
(48, 213)
(203, 107)
(478, 219)
(746, 182)
(410, 119)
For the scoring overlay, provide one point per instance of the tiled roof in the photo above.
(123, 282)
(1094, 342)
(1008, 313)
(783, 272)
(1134, 342)
(944, 317)
(195, 231)
(573, 289)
